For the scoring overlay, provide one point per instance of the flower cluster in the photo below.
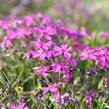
(55, 53)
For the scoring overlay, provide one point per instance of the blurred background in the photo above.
(92, 14)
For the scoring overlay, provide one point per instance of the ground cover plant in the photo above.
(50, 65)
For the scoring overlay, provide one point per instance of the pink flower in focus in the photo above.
(42, 71)
(63, 50)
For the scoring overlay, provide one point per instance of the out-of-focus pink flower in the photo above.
(77, 46)
(39, 15)
(20, 33)
(28, 20)
(104, 34)
(84, 32)
(11, 34)
(6, 43)
(4, 25)
(63, 29)
(30, 53)
(21, 105)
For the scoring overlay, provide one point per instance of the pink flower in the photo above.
(52, 88)
(11, 34)
(28, 31)
(104, 34)
(76, 46)
(99, 54)
(4, 25)
(56, 67)
(41, 45)
(88, 99)
(49, 30)
(88, 96)
(28, 20)
(63, 50)
(6, 43)
(70, 61)
(39, 15)
(42, 54)
(30, 53)
(67, 77)
(21, 105)
(20, 33)
(87, 53)
(42, 71)
(60, 68)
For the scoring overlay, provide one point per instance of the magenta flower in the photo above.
(53, 89)
(28, 20)
(87, 53)
(21, 105)
(4, 25)
(11, 34)
(41, 45)
(39, 15)
(42, 71)
(88, 96)
(42, 54)
(30, 53)
(56, 67)
(63, 29)
(49, 30)
(60, 68)
(99, 54)
(63, 50)
(88, 99)
(77, 46)
(6, 43)
(67, 77)
(104, 34)
(70, 61)
(20, 33)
